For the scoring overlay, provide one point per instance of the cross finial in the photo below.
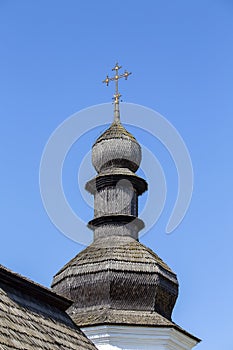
(117, 95)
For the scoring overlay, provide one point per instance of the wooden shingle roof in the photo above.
(108, 316)
(116, 130)
(117, 272)
(118, 250)
(33, 317)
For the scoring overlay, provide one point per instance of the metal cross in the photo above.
(125, 75)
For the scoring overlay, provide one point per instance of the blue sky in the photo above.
(54, 55)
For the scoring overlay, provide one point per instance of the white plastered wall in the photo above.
(138, 338)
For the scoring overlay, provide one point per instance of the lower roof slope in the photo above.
(34, 318)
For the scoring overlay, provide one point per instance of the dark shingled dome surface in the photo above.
(116, 130)
(119, 273)
(116, 249)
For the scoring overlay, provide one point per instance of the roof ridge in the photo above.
(33, 288)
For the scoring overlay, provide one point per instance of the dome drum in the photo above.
(121, 199)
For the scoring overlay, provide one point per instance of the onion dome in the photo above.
(116, 147)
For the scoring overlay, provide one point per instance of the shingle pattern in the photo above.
(120, 273)
(116, 130)
(28, 322)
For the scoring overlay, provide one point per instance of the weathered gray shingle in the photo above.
(32, 317)
(119, 273)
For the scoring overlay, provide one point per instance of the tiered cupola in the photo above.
(116, 279)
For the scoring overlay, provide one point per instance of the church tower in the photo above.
(123, 294)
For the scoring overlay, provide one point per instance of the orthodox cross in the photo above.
(117, 95)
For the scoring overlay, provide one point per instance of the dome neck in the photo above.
(116, 110)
